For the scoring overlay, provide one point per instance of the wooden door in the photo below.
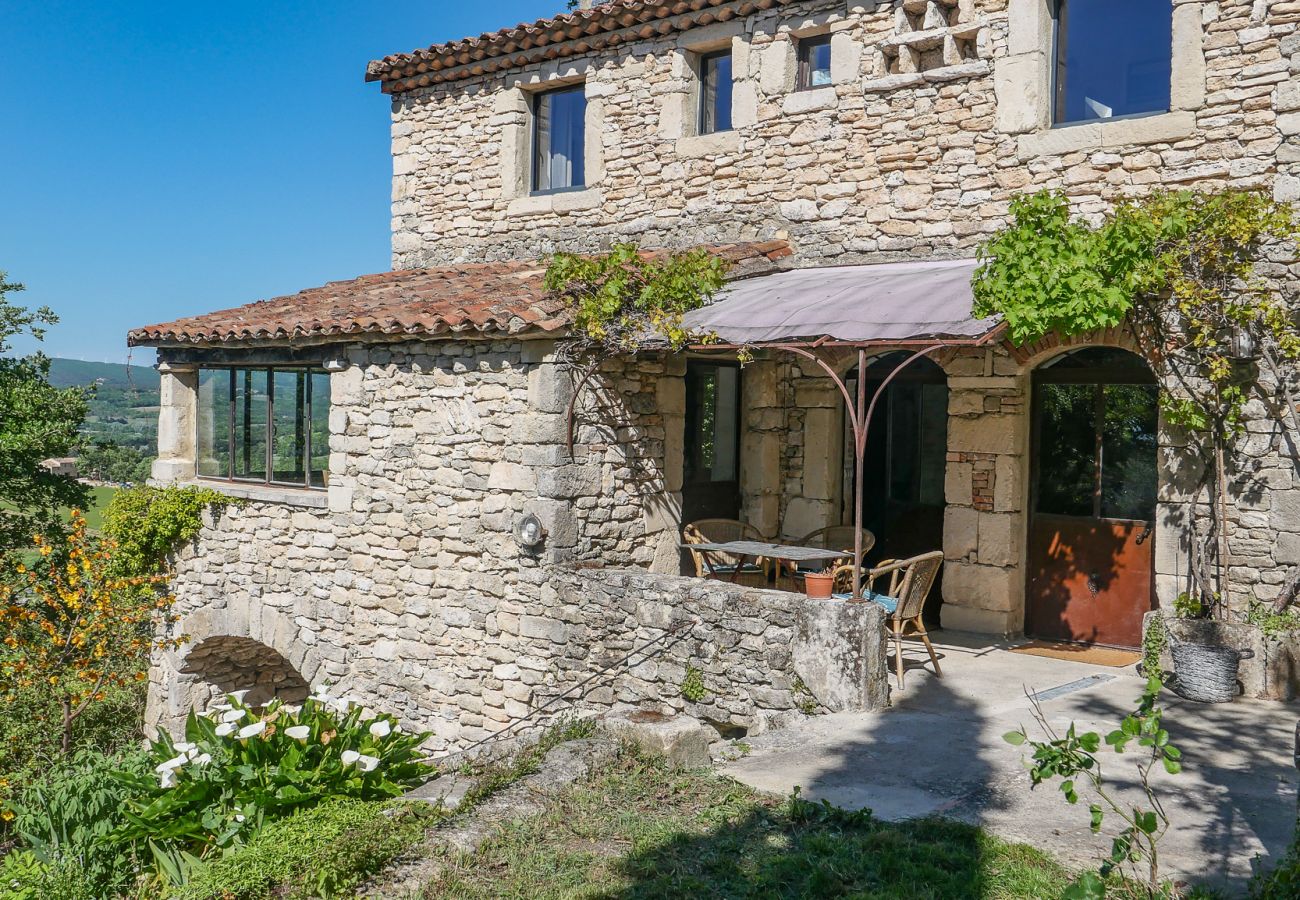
(711, 462)
(1090, 566)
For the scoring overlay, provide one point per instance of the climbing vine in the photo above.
(147, 524)
(1189, 273)
(627, 300)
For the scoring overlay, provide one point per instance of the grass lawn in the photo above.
(100, 498)
(638, 830)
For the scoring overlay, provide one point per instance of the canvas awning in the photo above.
(902, 303)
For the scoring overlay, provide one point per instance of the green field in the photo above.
(95, 515)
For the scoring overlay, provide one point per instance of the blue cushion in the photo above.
(888, 604)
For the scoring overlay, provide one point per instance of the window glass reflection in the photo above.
(1113, 58)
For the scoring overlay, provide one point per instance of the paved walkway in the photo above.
(939, 750)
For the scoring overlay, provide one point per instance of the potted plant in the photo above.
(820, 585)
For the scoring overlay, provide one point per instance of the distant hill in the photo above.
(80, 372)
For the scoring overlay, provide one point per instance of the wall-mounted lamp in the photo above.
(1241, 343)
(529, 532)
(334, 365)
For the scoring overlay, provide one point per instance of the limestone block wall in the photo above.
(405, 579)
(928, 131)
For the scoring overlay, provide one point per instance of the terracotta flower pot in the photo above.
(818, 586)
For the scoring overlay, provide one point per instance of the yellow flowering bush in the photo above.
(75, 629)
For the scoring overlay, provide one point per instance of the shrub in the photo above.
(240, 768)
(65, 817)
(149, 523)
(320, 852)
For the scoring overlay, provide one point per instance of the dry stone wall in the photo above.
(921, 161)
(409, 588)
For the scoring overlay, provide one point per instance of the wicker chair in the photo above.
(722, 566)
(910, 581)
(834, 537)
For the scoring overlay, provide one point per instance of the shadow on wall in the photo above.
(222, 665)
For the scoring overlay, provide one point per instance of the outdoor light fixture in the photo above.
(334, 365)
(1241, 344)
(529, 532)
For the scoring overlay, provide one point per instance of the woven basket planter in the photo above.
(1206, 673)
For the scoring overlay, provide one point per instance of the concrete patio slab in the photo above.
(939, 750)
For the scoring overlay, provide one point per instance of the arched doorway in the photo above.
(904, 468)
(1092, 498)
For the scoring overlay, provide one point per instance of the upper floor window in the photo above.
(1113, 58)
(559, 139)
(814, 62)
(715, 92)
(262, 424)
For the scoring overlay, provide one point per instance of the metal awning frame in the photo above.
(857, 409)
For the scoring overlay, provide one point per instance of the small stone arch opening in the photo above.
(221, 665)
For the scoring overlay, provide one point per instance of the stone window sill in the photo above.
(695, 146)
(976, 69)
(810, 100)
(1162, 128)
(559, 202)
(266, 493)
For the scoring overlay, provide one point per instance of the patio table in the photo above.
(746, 550)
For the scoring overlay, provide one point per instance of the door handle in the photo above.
(1094, 587)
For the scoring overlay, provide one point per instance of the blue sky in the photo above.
(165, 159)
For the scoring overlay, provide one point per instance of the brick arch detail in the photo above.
(247, 618)
(1034, 354)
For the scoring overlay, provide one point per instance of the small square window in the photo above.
(559, 139)
(814, 62)
(715, 92)
(1113, 58)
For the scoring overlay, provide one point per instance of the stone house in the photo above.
(390, 434)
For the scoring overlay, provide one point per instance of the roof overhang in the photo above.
(888, 305)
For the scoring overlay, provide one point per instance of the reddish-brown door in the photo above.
(1090, 573)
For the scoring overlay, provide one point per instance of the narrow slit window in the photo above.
(1113, 58)
(814, 62)
(260, 424)
(715, 92)
(559, 139)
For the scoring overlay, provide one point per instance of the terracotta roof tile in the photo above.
(568, 34)
(491, 298)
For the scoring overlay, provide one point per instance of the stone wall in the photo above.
(437, 450)
(901, 156)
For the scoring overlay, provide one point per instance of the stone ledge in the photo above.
(560, 202)
(695, 146)
(266, 493)
(932, 76)
(1162, 128)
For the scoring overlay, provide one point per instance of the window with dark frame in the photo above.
(715, 92)
(814, 55)
(559, 139)
(264, 424)
(1113, 58)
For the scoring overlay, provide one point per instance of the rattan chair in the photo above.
(910, 581)
(834, 537)
(722, 566)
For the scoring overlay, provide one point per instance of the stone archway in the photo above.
(226, 663)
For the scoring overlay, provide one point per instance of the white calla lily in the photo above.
(238, 696)
(202, 759)
(380, 728)
(167, 779)
(348, 757)
(298, 732)
(232, 715)
(225, 729)
(253, 730)
(367, 763)
(183, 747)
(174, 763)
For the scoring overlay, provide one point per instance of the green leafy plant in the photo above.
(239, 768)
(625, 300)
(804, 698)
(324, 852)
(1273, 624)
(1073, 756)
(1181, 269)
(693, 688)
(1154, 641)
(1190, 606)
(148, 523)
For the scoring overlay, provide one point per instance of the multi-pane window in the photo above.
(559, 139)
(264, 424)
(1113, 58)
(715, 92)
(814, 62)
